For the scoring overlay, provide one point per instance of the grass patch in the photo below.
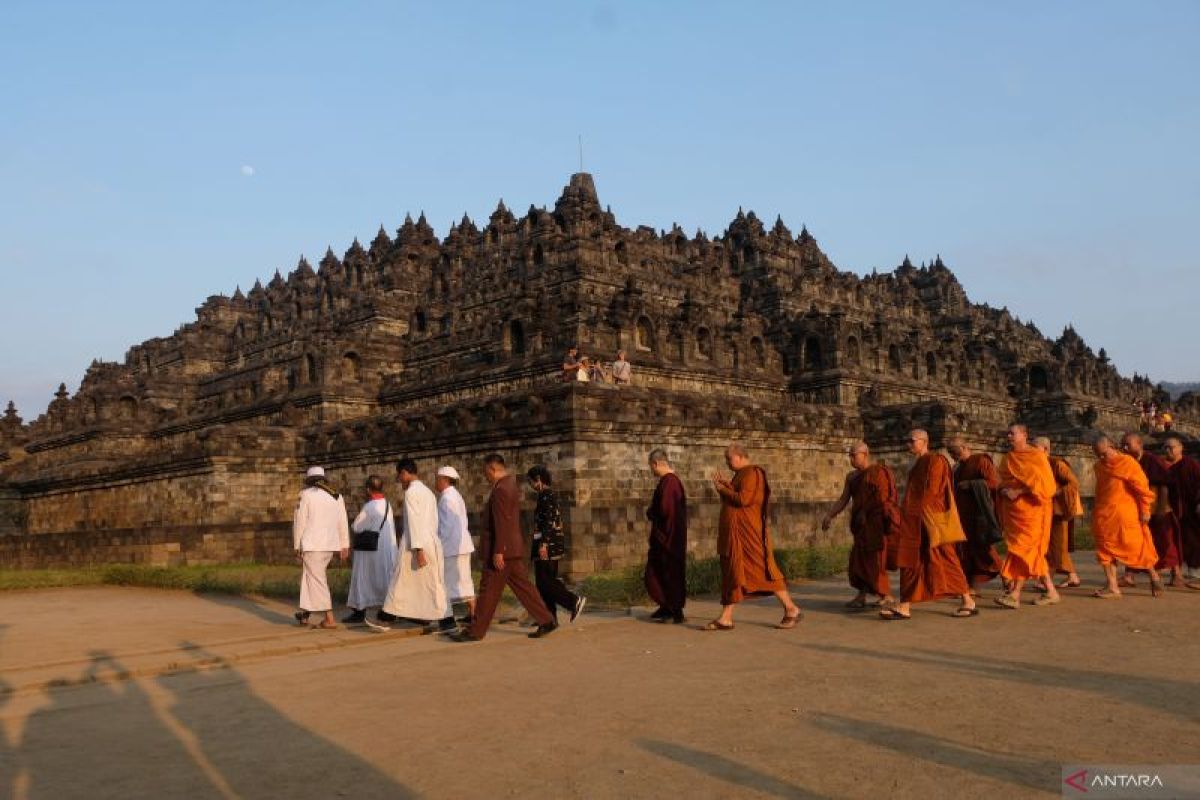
(625, 587)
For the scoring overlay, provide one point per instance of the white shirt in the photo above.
(452, 524)
(420, 517)
(320, 523)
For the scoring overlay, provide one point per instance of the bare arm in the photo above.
(839, 506)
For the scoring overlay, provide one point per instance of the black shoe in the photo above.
(355, 617)
(462, 636)
(678, 618)
(662, 613)
(447, 624)
(580, 602)
(301, 617)
(383, 616)
(467, 620)
(543, 630)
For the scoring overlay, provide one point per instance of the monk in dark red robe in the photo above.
(1164, 522)
(744, 543)
(666, 563)
(1186, 471)
(870, 490)
(928, 571)
(975, 487)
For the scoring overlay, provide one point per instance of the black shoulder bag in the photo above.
(368, 541)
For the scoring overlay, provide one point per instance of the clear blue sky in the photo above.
(1048, 151)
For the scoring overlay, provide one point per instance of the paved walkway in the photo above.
(121, 693)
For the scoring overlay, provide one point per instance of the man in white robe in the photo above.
(320, 530)
(418, 590)
(371, 574)
(456, 545)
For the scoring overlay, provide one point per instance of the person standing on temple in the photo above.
(622, 371)
(666, 562)
(502, 549)
(320, 530)
(374, 554)
(549, 546)
(457, 546)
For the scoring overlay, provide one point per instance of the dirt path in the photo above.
(844, 706)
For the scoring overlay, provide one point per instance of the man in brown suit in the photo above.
(502, 550)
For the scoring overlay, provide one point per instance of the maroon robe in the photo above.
(1164, 521)
(1187, 481)
(874, 515)
(666, 563)
(978, 556)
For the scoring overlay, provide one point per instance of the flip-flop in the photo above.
(963, 612)
(325, 626)
(1193, 585)
(1069, 584)
(1105, 594)
(789, 622)
(891, 614)
(1046, 600)
(716, 625)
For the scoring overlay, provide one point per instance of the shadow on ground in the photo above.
(733, 773)
(167, 739)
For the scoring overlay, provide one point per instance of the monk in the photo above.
(1120, 518)
(975, 486)
(666, 563)
(926, 572)
(870, 490)
(747, 561)
(1164, 522)
(1026, 511)
(1067, 506)
(1187, 479)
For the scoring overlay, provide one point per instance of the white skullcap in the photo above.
(315, 472)
(448, 472)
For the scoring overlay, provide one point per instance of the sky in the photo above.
(153, 154)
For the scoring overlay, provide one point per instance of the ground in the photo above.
(118, 692)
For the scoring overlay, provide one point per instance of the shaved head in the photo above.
(1132, 443)
(958, 448)
(1042, 443)
(859, 447)
(860, 455)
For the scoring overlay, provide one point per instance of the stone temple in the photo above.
(192, 449)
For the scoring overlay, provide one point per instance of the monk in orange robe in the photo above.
(747, 560)
(927, 571)
(1067, 506)
(1027, 490)
(1120, 518)
(975, 491)
(1164, 517)
(870, 490)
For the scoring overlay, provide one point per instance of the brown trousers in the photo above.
(491, 586)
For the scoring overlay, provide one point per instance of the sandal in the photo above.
(328, 626)
(1105, 594)
(964, 612)
(891, 614)
(789, 622)
(301, 617)
(1007, 601)
(1156, 587)
(1127, 582)
(717, 625)
(1193, 585)
(1070, 584)
(1046, 600)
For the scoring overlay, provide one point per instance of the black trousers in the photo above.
(554, 592)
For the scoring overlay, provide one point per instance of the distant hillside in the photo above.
(1177, 389)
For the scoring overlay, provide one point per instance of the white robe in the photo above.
(371, 573)
(419, 593)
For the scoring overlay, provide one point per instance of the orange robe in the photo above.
(926, 573)
(979, 559)
(1027, 519)
(747, 562)
(1123, 495)
(1067, 506)
(874, 512)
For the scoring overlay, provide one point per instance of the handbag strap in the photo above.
(387, 509)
